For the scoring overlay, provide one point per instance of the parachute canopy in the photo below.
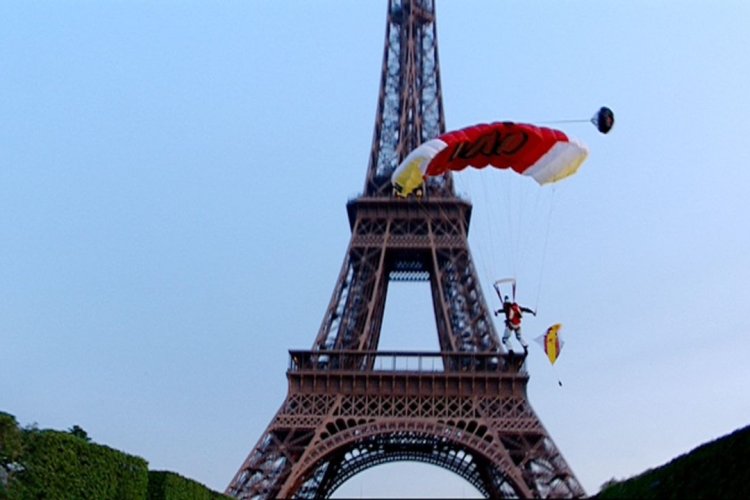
(604, 119)
(551, 342)
(547, 155)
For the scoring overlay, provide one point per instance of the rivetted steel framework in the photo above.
(349, 406)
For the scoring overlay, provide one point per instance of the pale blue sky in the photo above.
(173, 180)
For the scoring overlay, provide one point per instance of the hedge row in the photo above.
(719, 469)
(48, 464)
(59, 465)
(163, 485)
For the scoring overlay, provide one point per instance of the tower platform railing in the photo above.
(421, 374)
(406, 361)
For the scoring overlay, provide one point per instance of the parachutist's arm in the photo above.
(526, 309)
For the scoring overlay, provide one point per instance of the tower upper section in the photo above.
(410, 103)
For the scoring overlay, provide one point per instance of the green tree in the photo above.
(78, 431)
(11, 449)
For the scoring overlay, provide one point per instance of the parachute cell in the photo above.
(547, 155)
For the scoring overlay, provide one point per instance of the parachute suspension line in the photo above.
(513, 202)
(443, 214)
(533, 216)
(519, 248)
(524, 199)
(490, 230)
(544, 248)
(501, 203)
(552, 122)
(468, 186)
(511, 242)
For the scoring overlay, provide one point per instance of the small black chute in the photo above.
(604, 119)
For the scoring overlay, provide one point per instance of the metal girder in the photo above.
(410, 104)
(339, 420)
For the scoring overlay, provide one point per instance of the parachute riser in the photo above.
(511, 282)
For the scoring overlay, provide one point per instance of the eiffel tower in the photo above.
(350, 406)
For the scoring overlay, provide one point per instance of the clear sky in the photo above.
(173, 180)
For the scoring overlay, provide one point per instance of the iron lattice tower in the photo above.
(349, 406)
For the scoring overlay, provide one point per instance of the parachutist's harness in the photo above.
(514, 314)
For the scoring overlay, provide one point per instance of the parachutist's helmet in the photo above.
(506, 299)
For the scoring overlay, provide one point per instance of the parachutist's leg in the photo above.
(522, 341)
(506, 338)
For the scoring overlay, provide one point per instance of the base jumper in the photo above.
(513, 315)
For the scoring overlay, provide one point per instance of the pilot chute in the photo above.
(604, 119)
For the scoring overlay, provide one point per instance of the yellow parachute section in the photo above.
(551, 342)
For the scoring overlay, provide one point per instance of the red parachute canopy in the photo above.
(545, 154)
